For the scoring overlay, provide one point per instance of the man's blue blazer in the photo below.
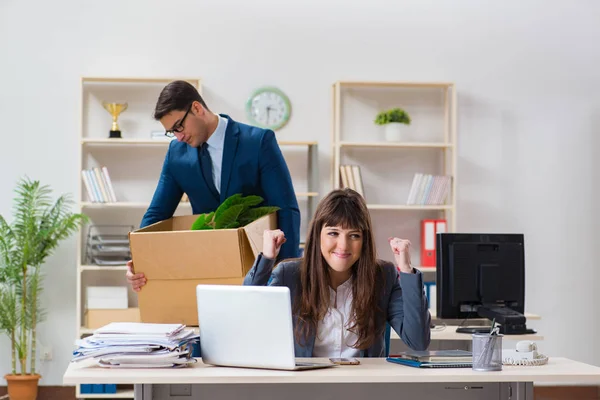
(252, 165)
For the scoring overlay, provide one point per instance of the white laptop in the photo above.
(248, 326)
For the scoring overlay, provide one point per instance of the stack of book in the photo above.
(138, 345)
(98, 185)
(434, 359)
(350, 177)
(429, 189)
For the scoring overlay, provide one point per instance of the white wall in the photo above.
(526, 72)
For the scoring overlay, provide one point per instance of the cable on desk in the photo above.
(438, 328)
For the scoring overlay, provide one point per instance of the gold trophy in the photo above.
(114, 109)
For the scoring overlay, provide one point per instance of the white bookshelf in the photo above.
(407, 207)
(103, 268)
(388, 168)
(133, 162)
(396, 145)
(310, 175)
(124, 142)
(126, 204)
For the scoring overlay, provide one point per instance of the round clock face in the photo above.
(268, 108)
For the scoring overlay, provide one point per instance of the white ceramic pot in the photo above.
(394, 131)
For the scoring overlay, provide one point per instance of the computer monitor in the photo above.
(482, 275)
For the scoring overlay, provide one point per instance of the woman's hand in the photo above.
(272, 241)
(401, 249)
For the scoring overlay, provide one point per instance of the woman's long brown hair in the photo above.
(347, 209)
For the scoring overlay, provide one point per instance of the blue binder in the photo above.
(428, 364)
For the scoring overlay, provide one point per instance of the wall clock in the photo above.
(268, 108)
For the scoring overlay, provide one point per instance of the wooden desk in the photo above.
(373, 378)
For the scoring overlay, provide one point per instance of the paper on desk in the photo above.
(140, 328)
(105, 365)
(100, 341)
(140, 336)
(117, 345)
(154, 358)
(160, 358)
(83, 354)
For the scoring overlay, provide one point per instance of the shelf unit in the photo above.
(312, 167)
(312, 173)
(134, 163)
(387, 168)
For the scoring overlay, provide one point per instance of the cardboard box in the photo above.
(95, 319)
(175, 260)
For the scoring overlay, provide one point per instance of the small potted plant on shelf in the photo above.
(38, 227)
(393, 120)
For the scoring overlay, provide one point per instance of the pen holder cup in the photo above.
(487, 352)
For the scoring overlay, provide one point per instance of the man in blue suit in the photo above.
(213, 158)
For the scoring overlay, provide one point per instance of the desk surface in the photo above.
(371, 370)
(449, 333)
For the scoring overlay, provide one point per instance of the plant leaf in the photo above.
(256, 213)
(203, 222)
(230, 201)
(233, 225)
(37, 228)
(238, 199)
(252, 200)
(229, 216)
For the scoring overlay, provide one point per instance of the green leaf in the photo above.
(233, 225)
(256, 213)
(230, 201)
(203, 222)
(252, 200)
(229, 216)
(393, 115)
(38, 226)
(238, 199)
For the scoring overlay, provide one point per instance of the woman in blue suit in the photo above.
(342, 296)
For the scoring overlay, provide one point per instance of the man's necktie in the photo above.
(206, 166)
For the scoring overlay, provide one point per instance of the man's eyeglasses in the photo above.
(178, 127)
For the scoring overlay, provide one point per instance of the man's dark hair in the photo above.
(177, 95)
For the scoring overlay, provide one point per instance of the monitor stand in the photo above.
(511, 322)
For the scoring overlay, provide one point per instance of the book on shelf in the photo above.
(429, 189)
(429, 230)
(351, 177)
(98, 185)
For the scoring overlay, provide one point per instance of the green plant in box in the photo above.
(234, 212)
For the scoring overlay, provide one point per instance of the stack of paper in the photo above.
(138, 345)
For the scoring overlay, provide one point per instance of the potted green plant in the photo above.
(37, 228)
(234, 212)
(393, 120)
